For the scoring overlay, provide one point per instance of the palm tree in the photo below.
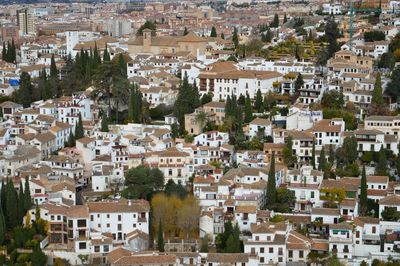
(201, 118)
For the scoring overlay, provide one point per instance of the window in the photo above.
(261, 259)
(373, 229)
(82, 245)
(271, 250)
(290, 254)
(119, 227)
(119, 217)
(280, 251)
(96, 248)
(262, 250)
(312, 194)
(301, 253)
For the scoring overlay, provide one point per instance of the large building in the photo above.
(26, 21)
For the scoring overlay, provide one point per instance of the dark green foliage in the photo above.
(213, 32)
(381, 167)
(71, 140)
(187, 101)
(24, 94)
(377, 93)
(175, 189)
(235, 37)
(142, 181)
(135, 105)
(248, 110)
(221, 239)
(285, 18)
(122, 65)
(387, 61)
(206, 98)
(104, 123)
(322, 164)
(204, 244)
(350, 149)
(289, 157)
(271, 185)
(147, 25)
(38, 258)
(106, 55)
(185, 32)
(11, 213)
(258, 103)
(313, 162)
(390, 214)
(53, 68)
(285, 200)
(160, 237)
(363, 194)
(275, 22)
(392, 87)
(174, 130)
(233, 242)
(222, 36)
(2, 228)
(332, 34)
(9, 52)
(375, 35)
(348, 117)
(27, 196)
(79, 133)
(332, 99)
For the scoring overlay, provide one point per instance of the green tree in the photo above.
(204, 244)
(24, 94)
(289, 158)
(175, 189)
(258, 103)
(271, 185)
(313, 155)
(332, 99)
(382, 163)
(201, 118)
(53, 68)
(331, 158)
(233, 242)
(350, 149)
(235, 37)
(79, 133)
(332, 34)
(222, 36)
(147, 25)
(187, 101)
(363, 194)
(185, 32)
(160, 237)
(21, 203)
(11, 204)
(248, 110)
(322, 165)
(4, 52)
(255, 143)
(38, 258)
(104, 123)
(393, 85)
(377, 97)
(142, 181)
(174, 130)
(285, 18)
(2, 228)
(213, 32)
(275, 22)
(299, 82)
(221, 239)
(374, 35)
(106, 55)
(387, 60)
(206, 98)
(27, 195)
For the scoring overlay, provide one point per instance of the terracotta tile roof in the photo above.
(320, 246)
(120, 206)
(246, 209)
(393, 200)
(344, 226)
(325, 211)
(231, 258)
(365, 220)
(377, 179)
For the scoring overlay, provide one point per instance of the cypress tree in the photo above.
(1, 112)
(222, 36)
(21, 203)
(322, 160)
(122, 65)
(53, 68)
(71, 140)
(79, 128)
(313, 155)
(213, 32)
(104, 123)
(185, 32)
(377, 96)
(160, 238)
(271, 185)
(27, 195)
(275, 22)
(96, 57)
(2, 228)
(248, 110)
(258, 103)
(382, 163)
(106, 55)
(284, 19)
(235, 37)
(11, 202)
(363, 194)
(24, 94)
(331, 154)
(3, 196)
(13, 52)
(9, 53)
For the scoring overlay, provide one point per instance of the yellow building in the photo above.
(171, 44)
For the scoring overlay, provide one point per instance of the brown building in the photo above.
(9, 32)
